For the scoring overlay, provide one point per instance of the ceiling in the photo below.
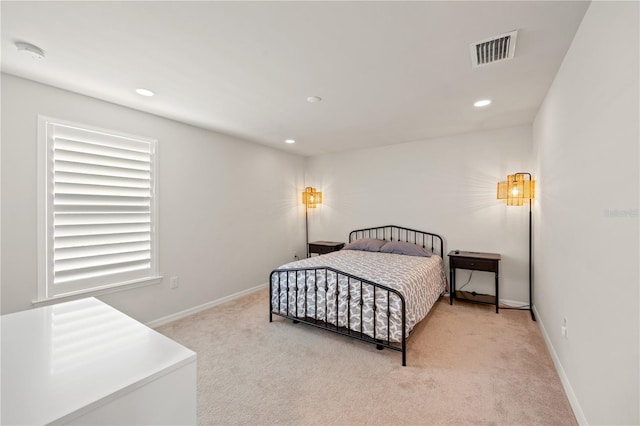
(387, 72)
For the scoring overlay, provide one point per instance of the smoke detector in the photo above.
(30, 49)
(493, 49)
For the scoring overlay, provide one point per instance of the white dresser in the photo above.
(84, 362)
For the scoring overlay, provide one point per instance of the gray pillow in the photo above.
(365, 244)
(401, 247)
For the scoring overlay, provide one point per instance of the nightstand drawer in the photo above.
(324, 247)
(474, 264)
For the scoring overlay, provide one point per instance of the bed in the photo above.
(377, 289)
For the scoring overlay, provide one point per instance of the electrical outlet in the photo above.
(174, 283)
(564, 329)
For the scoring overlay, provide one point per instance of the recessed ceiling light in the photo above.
(314, 99)
(482, 103)
(289, 141)
(32, 50)
(145, 92)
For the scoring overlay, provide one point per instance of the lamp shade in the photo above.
(311, 198)
(516, 189)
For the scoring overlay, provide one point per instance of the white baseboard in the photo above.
(205, 306)
(508, 302)
(573, 400)
(514, 303)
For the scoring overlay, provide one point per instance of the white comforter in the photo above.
(421, 280)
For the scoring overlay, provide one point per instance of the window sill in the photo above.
(97, 291)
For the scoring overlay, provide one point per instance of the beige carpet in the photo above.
(465, 365)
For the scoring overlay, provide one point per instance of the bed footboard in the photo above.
(338, 302)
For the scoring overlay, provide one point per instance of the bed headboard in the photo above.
(427, 240)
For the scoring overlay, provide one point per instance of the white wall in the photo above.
(586, 139)
(229, 209)
(445, 185)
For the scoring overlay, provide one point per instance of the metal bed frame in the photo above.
(389, 232)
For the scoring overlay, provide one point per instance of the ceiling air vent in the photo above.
(494, 49)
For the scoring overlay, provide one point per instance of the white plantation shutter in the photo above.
(100, 224)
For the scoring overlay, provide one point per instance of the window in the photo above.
(97, 209)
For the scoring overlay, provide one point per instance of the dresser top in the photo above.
(66, 357)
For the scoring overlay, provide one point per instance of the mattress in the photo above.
(421, 281)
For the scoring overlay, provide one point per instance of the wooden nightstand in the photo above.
(488, 262)
(323, 247)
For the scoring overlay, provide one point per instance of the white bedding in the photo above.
(421, 280)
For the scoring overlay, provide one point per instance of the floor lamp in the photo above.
(516, 190)
(310, 198)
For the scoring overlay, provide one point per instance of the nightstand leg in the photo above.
(497, 294)
(452, 284)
